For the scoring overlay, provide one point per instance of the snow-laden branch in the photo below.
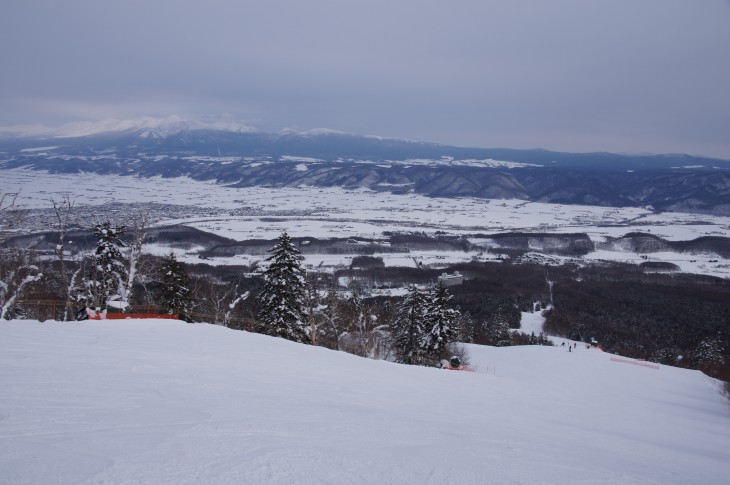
(9, 302)
(233, 304)
(238, 300)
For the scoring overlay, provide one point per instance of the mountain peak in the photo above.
(313, 132)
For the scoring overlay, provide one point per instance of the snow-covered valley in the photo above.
(263, 213)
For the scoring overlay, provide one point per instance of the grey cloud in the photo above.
(565, 74)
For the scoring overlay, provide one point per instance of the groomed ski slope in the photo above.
(163, 402)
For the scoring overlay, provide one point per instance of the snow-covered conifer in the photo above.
(498, 334)
(175, 295)
(283, 311)
(409, 328)
(110, 267)
(708, 355)
(441, 322)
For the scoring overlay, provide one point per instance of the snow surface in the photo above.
(372, 210)
(532, 322)
(163, 402)
(338, 212)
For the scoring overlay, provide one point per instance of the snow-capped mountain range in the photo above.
(238, 155)
(145, 126)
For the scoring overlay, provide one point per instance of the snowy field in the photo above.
(337, 212)
(162, 402)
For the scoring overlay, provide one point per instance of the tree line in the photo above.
(283, 301)
(679, 319)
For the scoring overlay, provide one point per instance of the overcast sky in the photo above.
(574, 75)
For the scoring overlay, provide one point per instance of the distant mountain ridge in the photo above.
(161, 127)
(237, 155)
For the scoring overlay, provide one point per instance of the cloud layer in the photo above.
(566, 74)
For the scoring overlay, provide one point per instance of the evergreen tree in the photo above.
(283, 311)
(666, 355)
(709, 355)
(442, 321)
(85, 288)
(498, 334)
(175, 294)
(466, 327)
(409, 328)
(111, 273)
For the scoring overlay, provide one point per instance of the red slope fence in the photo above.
(639, 363)
(54, 310)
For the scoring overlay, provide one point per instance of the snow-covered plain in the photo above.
(336, 212)
(163, 402)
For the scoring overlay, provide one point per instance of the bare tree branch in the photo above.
(4, 205)
(62, 211)
(8, 211)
